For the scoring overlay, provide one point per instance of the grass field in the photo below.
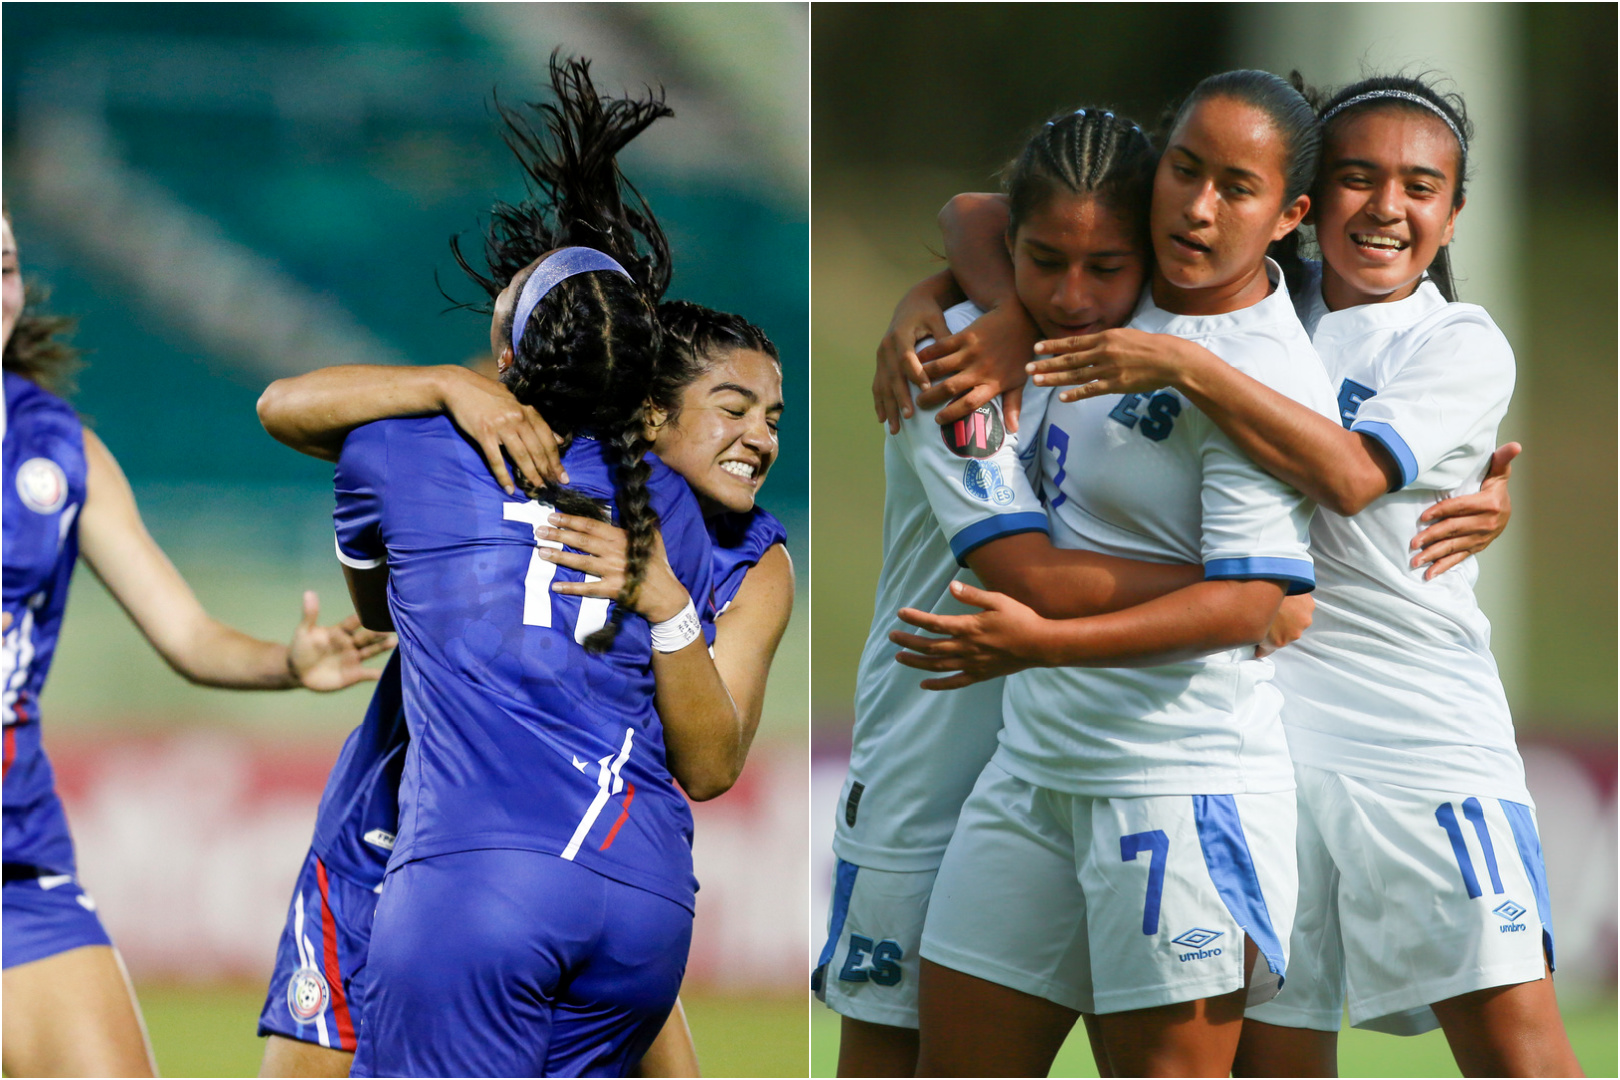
(208, 1031)
(1361, 1053)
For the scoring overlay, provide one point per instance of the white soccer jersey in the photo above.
(917, 753)
(1395, 680)
(1150, 477)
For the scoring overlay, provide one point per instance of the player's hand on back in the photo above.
(501, 426)
(600, 550)
(1003, 638)
(1293, 619)
(1456, 528)
(917, 316)
(985, 361)
(332, 657)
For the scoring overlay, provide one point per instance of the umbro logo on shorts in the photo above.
(1195, 940)
(1509, 912)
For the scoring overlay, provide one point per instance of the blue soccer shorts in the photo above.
(322, 951)
(45, 915)
(517, 963)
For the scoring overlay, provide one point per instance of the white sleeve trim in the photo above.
(352, 562)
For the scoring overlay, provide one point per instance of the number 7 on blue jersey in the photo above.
(1158, 844)
(537, 595)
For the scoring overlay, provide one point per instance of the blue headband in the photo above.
(553, 269)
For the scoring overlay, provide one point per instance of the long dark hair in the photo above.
(588, 354)
(1449, 106)
(1286, 105)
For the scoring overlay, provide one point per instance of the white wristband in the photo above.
(675, 634)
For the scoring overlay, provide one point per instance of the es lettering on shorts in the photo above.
(869, 961)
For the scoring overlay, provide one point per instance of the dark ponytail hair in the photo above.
(1449, 105)
(1286, 104)
(697, 337)
(1085, 152)
(588, 354)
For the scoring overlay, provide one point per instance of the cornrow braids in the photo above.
(587, 359)
(38, 349)
(1088, 151)
(697, 337)
(1397, 92)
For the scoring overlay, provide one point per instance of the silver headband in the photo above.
(1399, 95)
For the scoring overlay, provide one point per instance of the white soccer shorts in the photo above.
(1408, 896)
(1110, 904)
(868, 968)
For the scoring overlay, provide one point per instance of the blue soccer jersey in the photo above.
(519, 738)
(44, 491)
(737, 543)
(359, 815)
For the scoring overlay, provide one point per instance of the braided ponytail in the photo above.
(587, 357)
(627, 452)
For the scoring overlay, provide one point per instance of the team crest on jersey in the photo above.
(978, 434)
(982, 480)
(42, 485)
(307, 994)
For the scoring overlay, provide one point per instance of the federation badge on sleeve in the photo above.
(982, 480)
(978, 434)
(42, 485)
(307, 995)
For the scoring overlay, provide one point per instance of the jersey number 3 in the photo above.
(538, 609)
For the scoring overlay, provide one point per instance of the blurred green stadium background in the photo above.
(227, 193)
(913, 103)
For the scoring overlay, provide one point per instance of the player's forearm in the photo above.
(747, 636)
(1063, 583)
(314, 412)
(213, 654)
(941, 289)
(1330, 465)
(703, 734)
(1209, 617)
(974, 227)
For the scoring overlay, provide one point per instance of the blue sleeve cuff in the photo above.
(1391, 440)
(1298, 574)
(982, 532)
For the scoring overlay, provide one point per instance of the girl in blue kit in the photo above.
(537, 912)
(722, 440)
(69, 1009)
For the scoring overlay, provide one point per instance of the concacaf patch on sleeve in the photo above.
(978, 434)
